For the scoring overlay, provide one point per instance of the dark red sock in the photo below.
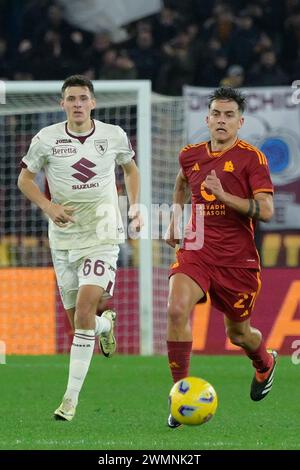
(179, 353)
(261, 359)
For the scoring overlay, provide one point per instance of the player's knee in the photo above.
(177, 312)
(84, 311)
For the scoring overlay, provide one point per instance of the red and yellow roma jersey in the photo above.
(243, 171)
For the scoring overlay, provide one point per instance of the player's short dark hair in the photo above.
(77, 80)
(229, 94)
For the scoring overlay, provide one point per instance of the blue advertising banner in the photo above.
(272, 123)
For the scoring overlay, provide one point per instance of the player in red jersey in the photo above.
(230, 187)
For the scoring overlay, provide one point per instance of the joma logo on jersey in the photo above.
(63, 141)
(64, 151)
(101, 146)
(83, 167)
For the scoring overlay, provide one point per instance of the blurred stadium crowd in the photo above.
(195, 42)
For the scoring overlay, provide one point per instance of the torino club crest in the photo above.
(101, 146)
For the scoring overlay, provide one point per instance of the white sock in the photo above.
(80, 357)
(102, 325)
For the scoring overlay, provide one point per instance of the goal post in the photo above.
(156, 127)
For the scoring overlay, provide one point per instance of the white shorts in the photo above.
(95, 265)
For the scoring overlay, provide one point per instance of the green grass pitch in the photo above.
(123, 405)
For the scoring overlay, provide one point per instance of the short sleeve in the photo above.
(125, 153)
(259, 175)
(182, 162)
(36, 157)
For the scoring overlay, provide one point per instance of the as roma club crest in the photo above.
(101, 146)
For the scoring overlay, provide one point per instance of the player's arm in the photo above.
(132, 184)
(181, 195)
(261, 207)
(60, 215)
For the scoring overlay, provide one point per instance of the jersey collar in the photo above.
(81, 138)
(219, 154)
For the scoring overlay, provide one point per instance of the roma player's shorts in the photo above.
(232, 290)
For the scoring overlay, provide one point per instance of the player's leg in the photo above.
(67, 280)
(102, 306)
(184, 293)
(250, 339)
(82, 348)
(101, 325)
(234, 291)
(88, 298)
(70, 314)
(96, 277)
(104, 327)
(105, 332)
(83, 287)
(100, 269)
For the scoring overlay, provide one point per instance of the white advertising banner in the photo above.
(99, 15)
(272, 123)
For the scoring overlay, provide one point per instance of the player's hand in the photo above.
(60, 215)
(213, 183)
(136, 219)
(170, 238)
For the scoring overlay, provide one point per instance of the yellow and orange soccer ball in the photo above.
(193, 401)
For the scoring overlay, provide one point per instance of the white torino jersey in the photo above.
(81, 173)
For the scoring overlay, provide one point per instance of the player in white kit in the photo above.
(85, 225)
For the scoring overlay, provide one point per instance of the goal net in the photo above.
(33, 320)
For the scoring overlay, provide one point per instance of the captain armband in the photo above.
(254, 209)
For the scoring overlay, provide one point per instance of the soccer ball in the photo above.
(193, 401)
